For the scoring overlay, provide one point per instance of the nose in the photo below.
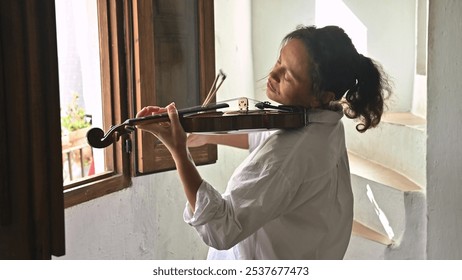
(275, 73)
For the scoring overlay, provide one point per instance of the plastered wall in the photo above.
(444, 152)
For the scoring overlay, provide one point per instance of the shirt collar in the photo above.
(323, 116)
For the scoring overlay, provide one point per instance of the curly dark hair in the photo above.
(336, 66)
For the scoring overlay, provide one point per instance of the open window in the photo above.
(147, 52)
(92, 61)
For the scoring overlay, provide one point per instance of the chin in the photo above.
(272, 96)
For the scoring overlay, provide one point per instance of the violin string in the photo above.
(214, 88)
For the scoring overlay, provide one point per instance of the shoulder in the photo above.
(257, 138)
(315, 147)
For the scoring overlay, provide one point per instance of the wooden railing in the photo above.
(80, 156)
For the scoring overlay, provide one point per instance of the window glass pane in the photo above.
(80, 86)
(177, 56)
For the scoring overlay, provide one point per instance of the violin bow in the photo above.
(214, 88)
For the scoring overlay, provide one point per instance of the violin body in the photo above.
(219, 122)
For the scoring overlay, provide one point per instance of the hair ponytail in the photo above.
(366, 99)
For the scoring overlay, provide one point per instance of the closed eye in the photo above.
(286, 74)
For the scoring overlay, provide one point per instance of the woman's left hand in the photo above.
(171, 133)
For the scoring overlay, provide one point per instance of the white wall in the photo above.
(444, 114)
(233, 42)
(391, 35)
(271, 21)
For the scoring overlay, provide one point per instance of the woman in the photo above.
(291, 198)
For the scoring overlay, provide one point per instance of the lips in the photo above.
(270, 86)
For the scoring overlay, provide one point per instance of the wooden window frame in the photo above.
(150, 155)
(122, 24)
(112, 21)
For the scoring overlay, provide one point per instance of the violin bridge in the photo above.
(243, 104)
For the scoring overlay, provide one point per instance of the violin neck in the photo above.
(181, 112)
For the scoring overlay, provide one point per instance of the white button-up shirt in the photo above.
(290, 199)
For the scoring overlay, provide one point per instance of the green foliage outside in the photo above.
(75, 116)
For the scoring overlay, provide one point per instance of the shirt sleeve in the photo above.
(255, 196)
(208, 201)
(211, 215)
(256, 138)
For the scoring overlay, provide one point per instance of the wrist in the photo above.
(181, 155)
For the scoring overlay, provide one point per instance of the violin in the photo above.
(206, 119)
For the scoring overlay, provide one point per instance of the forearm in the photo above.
(186, 168)
(174, 138)
(189, 176)
(240, 140)
(233, 140)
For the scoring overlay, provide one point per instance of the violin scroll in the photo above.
(97, 139)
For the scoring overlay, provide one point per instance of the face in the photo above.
(289, 82)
